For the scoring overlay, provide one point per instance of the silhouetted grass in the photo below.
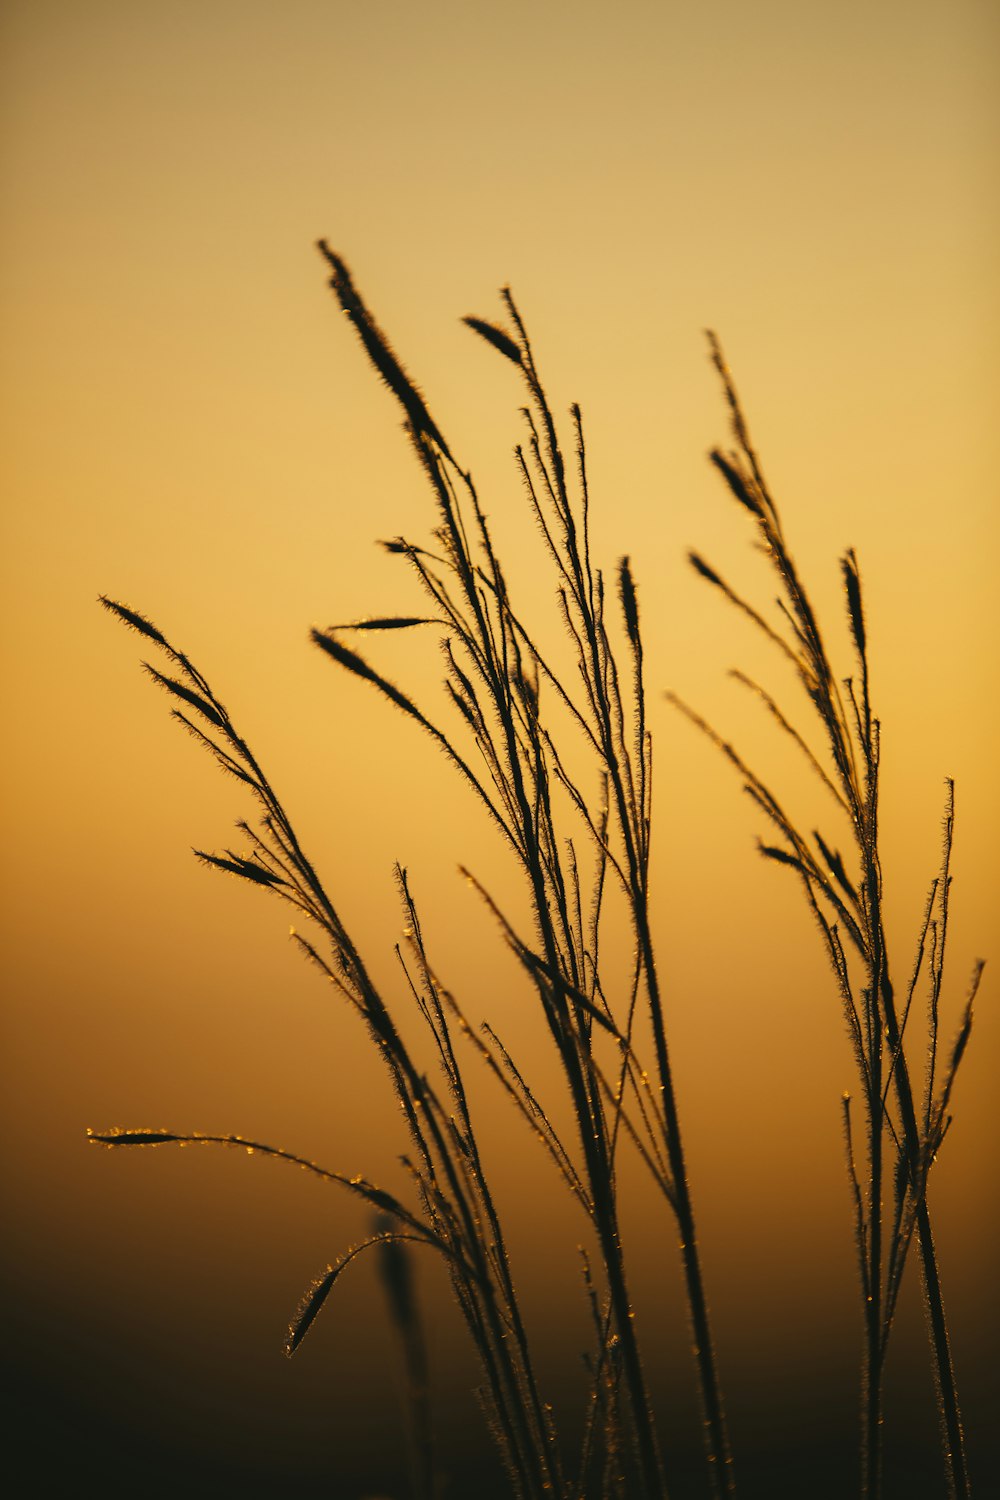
(902, 1136)
(513, 727)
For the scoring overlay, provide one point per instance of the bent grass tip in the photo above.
(497, 337)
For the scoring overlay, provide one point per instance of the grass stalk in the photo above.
(854, 906)
(503, 668)
(500, 684)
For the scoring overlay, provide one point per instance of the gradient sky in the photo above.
(189, 425)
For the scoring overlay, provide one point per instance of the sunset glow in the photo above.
(191, 427)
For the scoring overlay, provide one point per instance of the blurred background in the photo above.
(189, 425)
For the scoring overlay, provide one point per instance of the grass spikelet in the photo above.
(856, 614)
(497, 337)
(359, 668)
(119, 1137)
(248, 869)
(133, 619)
(379, 350)
(313, 1299)
(209, 711)
(780, 856)
(308, 1309)
(630, 607)
(388, 622)
(836, 865)
(704, 571)
(736, 481)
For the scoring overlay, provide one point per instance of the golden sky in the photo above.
(189, 425)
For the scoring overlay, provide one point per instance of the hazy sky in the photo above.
(189, 425)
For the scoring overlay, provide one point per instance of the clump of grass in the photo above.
(514, 731)
(496, 677)
(904, 1125)
(456, 1218)
(561, 765)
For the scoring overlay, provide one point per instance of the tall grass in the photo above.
(904, 1125)
(560, 762)
(510, 718)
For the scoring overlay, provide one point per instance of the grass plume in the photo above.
(900, 1141)
(561, 763)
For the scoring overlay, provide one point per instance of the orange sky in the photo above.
(189, 425)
